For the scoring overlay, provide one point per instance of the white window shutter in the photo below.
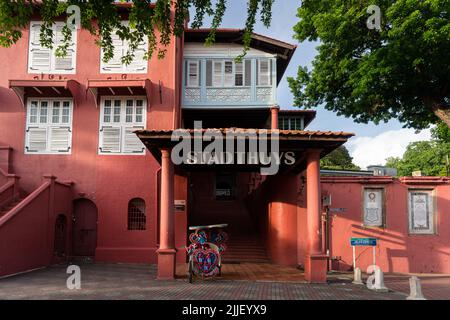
(37, 139)
(264, 73)
(217, 74)
(114, 65)
(110, 140)
(139, 63)
(60, 139)
(132, 144)
(66, 63)
(39, 57)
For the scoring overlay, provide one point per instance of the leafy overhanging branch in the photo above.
(401, 71)
(154, 20)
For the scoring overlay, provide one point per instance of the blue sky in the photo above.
(373, 143)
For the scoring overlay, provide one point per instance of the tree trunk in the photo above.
(440, 109)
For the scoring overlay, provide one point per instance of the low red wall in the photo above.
(397, 250)
(27, 231)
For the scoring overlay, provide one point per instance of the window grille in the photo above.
(136, 214)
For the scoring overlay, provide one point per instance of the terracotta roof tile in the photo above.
(298, 133)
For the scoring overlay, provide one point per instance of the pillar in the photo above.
(167, 251)
(316, 260)
(274, 117)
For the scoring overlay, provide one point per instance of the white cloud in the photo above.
(374, 150)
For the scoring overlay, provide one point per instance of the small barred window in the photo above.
(136, 214)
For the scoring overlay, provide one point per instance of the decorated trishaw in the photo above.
(207, 245)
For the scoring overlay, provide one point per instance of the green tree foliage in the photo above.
(441, 132)
(151, 19)
(400, 71)
(430, 157)
(339, 159)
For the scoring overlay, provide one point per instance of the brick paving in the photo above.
(122, 281)
(254, 272)
(434, 287)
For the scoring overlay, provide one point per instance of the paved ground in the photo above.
(254, 272)
(118, 281)
(434, 287)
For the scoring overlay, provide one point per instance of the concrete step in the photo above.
(10, 206)
(245, 248)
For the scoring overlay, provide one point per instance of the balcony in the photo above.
(225, 83)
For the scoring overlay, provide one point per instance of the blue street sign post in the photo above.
(363, 242)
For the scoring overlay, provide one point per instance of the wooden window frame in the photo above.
(188, 73)
(49, 125)
(124, 68)
(52, 69)
(122, 124)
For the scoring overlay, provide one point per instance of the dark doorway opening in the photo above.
(60, 236)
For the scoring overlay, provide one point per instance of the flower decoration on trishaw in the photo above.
(207, 245)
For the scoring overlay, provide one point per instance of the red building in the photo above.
(86, 167)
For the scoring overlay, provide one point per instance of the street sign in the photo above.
(363, 242)
(368, 242)
(337, 210)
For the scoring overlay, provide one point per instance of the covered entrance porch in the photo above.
(281, 211)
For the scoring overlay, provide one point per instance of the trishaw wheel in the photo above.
(191, 271)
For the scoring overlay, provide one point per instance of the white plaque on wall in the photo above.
(373, 207)
(421, 214)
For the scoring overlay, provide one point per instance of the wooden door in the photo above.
(84, 228)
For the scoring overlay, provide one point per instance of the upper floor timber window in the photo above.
(49, 126)
(192, 73)
(119, 117)
(264, 72)
(291, 123)
(121, 47)
(44, 60)
(216, 81)
(228, 73)
(422, 216)
(137, 218)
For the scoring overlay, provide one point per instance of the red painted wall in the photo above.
(27, 232)
(397, 250)
(279, 207)
(109, 181)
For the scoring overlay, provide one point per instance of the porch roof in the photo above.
(296, 141)
(119, 87)
(24, 88)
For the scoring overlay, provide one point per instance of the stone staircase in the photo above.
(6, 208)
(245, 248)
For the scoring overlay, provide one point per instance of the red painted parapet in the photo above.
(399, 249)
(27, 231)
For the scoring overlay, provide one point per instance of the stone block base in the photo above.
(166, 264)
(316, 268)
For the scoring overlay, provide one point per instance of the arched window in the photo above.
(136, 214)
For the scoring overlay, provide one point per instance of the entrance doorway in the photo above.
(220, 198)
(84, 228)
